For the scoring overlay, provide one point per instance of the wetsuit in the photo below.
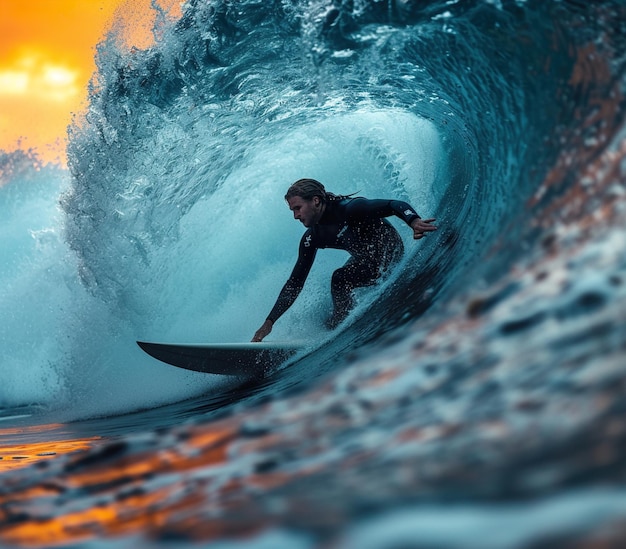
(356, 225)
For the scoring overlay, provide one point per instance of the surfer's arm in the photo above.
(292, 288)
(368, 208)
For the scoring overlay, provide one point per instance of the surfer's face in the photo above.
(308, 212)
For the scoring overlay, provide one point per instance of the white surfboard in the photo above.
(233, 359)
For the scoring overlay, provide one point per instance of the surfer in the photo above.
(356, 225)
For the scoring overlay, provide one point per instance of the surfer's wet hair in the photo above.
(309, 188)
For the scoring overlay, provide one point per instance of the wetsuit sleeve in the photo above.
(293, 286)
(364, 208)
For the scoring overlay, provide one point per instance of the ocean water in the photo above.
(475, 399)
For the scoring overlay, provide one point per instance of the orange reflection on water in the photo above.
(116, 518)
(22, 455)
(108, 490)
(16, 456)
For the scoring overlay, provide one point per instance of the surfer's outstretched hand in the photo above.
(263, 331)
(421, 227)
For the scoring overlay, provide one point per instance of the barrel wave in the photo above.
(480, 384)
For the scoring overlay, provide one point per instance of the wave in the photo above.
(173, 226)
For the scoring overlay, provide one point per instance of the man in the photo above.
(356, 225)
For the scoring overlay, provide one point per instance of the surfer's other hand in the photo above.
(263, 331)
(422, 226)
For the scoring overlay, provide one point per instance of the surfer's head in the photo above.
(307, 200)
(307, 189)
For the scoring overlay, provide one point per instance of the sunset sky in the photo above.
(47, 52)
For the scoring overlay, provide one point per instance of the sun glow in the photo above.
(46, 60)
(47, 52)
(34, 77)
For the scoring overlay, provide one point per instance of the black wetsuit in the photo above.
(357, 226)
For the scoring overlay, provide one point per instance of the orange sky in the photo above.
(46, 60)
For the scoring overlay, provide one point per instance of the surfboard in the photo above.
(231, 359)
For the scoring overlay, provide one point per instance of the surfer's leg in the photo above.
(343, 300)
(391, 249)
(344, 280)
